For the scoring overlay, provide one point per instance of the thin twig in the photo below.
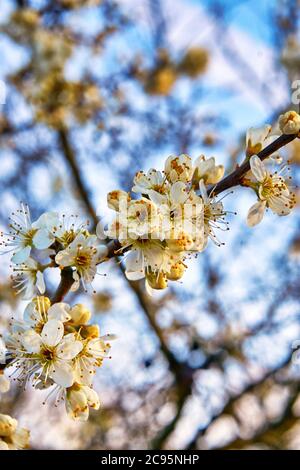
(234, 179)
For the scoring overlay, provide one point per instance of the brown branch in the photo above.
(233, 399)
(234, 179)
(82, 188)
(268, 433)
(66, 282)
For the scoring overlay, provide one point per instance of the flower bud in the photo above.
(8, 425)
(79, 399)
(176, 272)
(90, 331)
(117, 198)
(289, 122)
(179, 168)
(208, 170)
(80, 315)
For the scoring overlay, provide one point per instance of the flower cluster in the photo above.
(11, 436)
(54, 346)
(172, 220)
(50, 242)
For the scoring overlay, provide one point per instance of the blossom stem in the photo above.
(234, 179)
(66, 281)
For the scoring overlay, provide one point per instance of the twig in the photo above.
(234, 179)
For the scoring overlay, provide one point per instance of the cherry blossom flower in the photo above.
(207, 170)
(39, 311)
(83, 255)
(272, 191)
(47, 355)
(28, 279)
(24, 235)
(179, 168)
(94, 350)
(153, 181)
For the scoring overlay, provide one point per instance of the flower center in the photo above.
(270, 188)
(48, 354)
(83, 259)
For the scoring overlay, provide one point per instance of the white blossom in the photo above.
(28, 279)
(207, 170)
(272, 191)
(24, 235)
(179, 168)
(83, 254)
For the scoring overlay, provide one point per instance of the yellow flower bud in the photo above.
(90, 331)
(80, 314)
(289, 122)
(176, 272)
(117, 198)
(8, 425)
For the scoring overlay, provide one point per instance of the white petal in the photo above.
(135, 265)
(92, 398)
(59, 311)
(31, 341)
(178, 193)
(102, 252)
(52, 332)
(43, 239)
(47, 220)
(65, 257)
(157, 198)
(76, 283)
(68, 349)
(256, 213)
(100, 231)
(203, 191)
(258, 168)
(3, 445)
(62, 373)
(40, 283)
(149, 289)
(22, 255)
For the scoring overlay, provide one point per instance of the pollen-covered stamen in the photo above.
(275, 189)
(21, 232)
(66, 232)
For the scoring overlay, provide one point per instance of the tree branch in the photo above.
(230, 402)
(234, 179)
